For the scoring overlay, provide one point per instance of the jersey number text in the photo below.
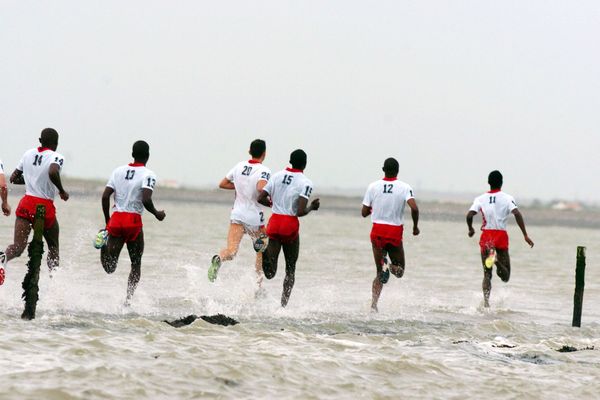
(287, 179)
(247, 170)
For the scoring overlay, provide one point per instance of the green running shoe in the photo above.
(101, 239)
(215, 264)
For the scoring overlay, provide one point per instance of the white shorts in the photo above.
(252, 230)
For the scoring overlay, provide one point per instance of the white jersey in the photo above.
(245, 176)
(495, 207)
(1, 168)
(387, 198)
(128, 181)
(35, 166)
(285, 187)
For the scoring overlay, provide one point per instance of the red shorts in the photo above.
(493, 238)
(125, 225)
(383, 235)
(284, 228)
(27, 208)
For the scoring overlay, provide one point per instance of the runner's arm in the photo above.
(304, 208)
(4, 195)
(260, 185)
(470, 216)
(521, 223)
(263, 198)
(366, 211)
(414, 213)
(108, 191)
(17, 177)
(226, 184)
(54, 174)
(149, 204)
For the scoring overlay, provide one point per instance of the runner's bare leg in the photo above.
(51, 235)
(290, 252)
(270, 258)
(396, 259)
(22, 230)
(234, 237)
(136, 250)
(109, 254)
(377, 285)
(486, 285)
(503, 265)
(259, 256)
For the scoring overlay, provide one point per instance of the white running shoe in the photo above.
(260, 244)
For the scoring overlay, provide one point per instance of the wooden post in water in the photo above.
(35, 252)
(579, 286)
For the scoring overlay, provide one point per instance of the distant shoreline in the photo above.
(430, 210)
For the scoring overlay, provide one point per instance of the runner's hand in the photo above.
(416, 231)
(315, 204)
(160, 215)
(6, 209)
(529, 241)
(64, 196)
(471, 231)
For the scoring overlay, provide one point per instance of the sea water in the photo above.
(431, 339)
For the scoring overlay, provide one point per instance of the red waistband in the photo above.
(41, 199)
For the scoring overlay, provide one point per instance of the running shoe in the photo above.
(385, 273)
(101, 239)
(215, 264)
(491, 259)
(2, 265)
(260, 244)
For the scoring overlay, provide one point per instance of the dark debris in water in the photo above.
(218, 319)
(227, 382)
(460, 341)
(571, 349)
(504, 346)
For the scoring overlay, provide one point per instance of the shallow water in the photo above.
(431, 338)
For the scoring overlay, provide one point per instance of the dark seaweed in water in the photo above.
(570, 349)
(218, 319)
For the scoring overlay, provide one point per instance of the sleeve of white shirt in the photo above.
(512, 205)
(475, 207)
(230, 174)
(409, 193)
(307, 189)
(265, 175)
(58, 159)
(269, 187)
(368, 199)
(149, 181)
(111, 181)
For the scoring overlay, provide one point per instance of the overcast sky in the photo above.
(453, 89)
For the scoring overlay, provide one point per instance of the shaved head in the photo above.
(49, 138)
(391, 167)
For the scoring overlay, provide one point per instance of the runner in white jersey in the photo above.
(132, 186)
(39, 170)
(288, 192)
(385, 200)
(4, 192)
(495, 206)
(247, 178)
